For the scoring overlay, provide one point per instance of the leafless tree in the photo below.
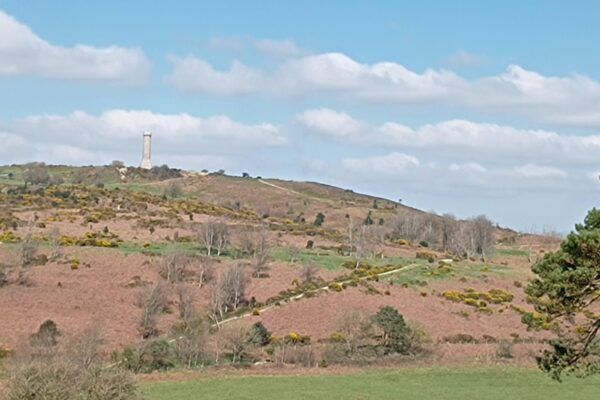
(355, 329)
(261, 254)
(480, 231)
(54, 241)
(153, 299)
(84, 350)
(416, 227)
(450, 229)
(228, 291)
(236, 342)
(190, 332)
(213, 234)
(172, 265)
(221, 238)
(190, 345)
(27, 253)
(202, 268)
(186, 301)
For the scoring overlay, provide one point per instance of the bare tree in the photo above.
(480, 231)
(172, 265)
(228, 292)
(153, 299)
(84, 350)
(186, 301)
(202, 268)
(450, 228)
(54, 241)
(213, 234)
(207, 235)
(221, 238)
(416, 227)
(355, 329)
(27, 253)
(261, 254)
(190, 345)
(236, 342)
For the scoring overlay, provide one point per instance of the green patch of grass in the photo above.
(329, 259)
(427, 273)
(415, 383)
(137, 187)
(511, 252)
(158, 248)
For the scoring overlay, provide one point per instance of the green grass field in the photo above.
(423, 384)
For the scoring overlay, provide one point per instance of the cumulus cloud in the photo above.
(22, 52)
(128, 124)
(540, 171)
(181, 139)
(459, 139)
(331, 123)
(387, 164)
(191, 74)
(570, 100)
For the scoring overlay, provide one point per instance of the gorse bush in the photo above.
(72, 372)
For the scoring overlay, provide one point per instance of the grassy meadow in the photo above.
(490, 383)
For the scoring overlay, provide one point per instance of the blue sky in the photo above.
(464, 107)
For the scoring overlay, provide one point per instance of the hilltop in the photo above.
(100, 239)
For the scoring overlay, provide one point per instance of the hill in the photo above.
(86, 246)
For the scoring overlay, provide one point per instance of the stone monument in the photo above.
(146, 152)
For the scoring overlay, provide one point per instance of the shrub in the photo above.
(459, 338)
(505, 349)
(46, 336)
(259, 335)
(319, 219)
(296, 338)
(65, 375)
(303, 355)
(395, 331)
(155, 355)
(426, 255)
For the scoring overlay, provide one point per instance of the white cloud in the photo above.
(570, 101)
(389, 164)
(468, 167)
(540, 171)
(330, 72)
(22, 52)
(279, 48)
(191, 74)
(182, 140)
(129, 124)
(461, 139)
(331, 123)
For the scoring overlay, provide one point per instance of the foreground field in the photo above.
(425, 383)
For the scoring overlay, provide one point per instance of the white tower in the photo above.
(146, 162)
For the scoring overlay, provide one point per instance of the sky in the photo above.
(463, 107)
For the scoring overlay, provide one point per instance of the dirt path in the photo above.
(314, 291)
(294, 192)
